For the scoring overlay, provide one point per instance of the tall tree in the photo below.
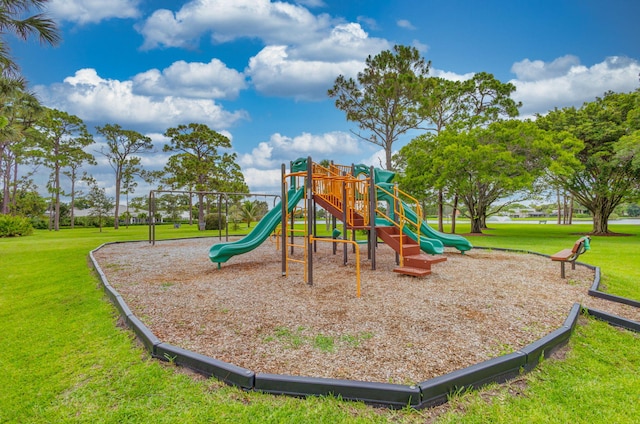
(386, 99)
(20, 109)
(467, 104)
(483, 165)
(121, 151)
(609, 171)
(197, 162)
(64, 138)
(12, 21)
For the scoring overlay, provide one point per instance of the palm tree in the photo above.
(249, 212)
(12, 21)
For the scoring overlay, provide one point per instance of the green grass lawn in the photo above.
(65, 359)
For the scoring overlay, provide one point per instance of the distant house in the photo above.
(138, 216)
(526, 213)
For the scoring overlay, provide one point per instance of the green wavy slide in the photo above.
(222, 252)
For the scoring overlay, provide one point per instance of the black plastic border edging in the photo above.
(229, 373)
(595, 292)
(500, 369)
(389, 395)
(427, 393)
(614, 320)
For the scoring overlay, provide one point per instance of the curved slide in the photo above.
(431, 246)
(449, 240)
(222, 252)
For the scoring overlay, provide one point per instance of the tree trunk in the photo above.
(14, 195)
(476, 225)
(559, 206)
(571, 209)
(600, 223)
(440, 211)
(5, 190)
(73, 198)
(200, 211)
(56, 188)
(116, 224)
(453, 214)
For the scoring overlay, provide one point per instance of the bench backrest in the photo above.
(576, 246)
(581, 245)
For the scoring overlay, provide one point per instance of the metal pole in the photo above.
(309, 214)
(344, 221)
(373, 236)
(152, 239)
(283, 220)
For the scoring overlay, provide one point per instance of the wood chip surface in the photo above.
(402, 329)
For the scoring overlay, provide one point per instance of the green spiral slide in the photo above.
(222, 252)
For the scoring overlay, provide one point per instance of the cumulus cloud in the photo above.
(274, 73)
(93, 11)
(303, 52)
(263, 180)
(96, 99)
(197, 80)
(226, 20)
(280, 148)
(344, 42)
(528, 70)
(261, 167)
(541, 86)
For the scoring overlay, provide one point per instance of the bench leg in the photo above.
(573, 264)
(562, 269)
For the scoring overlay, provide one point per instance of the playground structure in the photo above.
(362, 198)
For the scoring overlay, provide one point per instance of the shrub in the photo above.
(13, 226)
(212, 223)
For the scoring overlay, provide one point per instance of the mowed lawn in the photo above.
(65, 359)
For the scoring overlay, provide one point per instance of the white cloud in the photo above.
(344, 42)
(262, 166)
(303, 53)
(564, 82)
(280, 148)
(451, 76)
(527, 70)
(263, 180)
(92, 11)
(404, 23)
(377, 159)
(96, 99)
(197, 80)
(422, 48)
(273, 73)
(227, 20)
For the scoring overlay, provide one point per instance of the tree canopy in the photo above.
(387, 99)
(199, 165)
(608, 171)
(483, 164)
(122, 150)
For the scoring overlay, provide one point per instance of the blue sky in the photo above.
(258, 70)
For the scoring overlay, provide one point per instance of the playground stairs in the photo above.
(333, 205)
(415, 263)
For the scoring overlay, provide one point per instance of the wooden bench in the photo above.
(571, 255)
(542, 221)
